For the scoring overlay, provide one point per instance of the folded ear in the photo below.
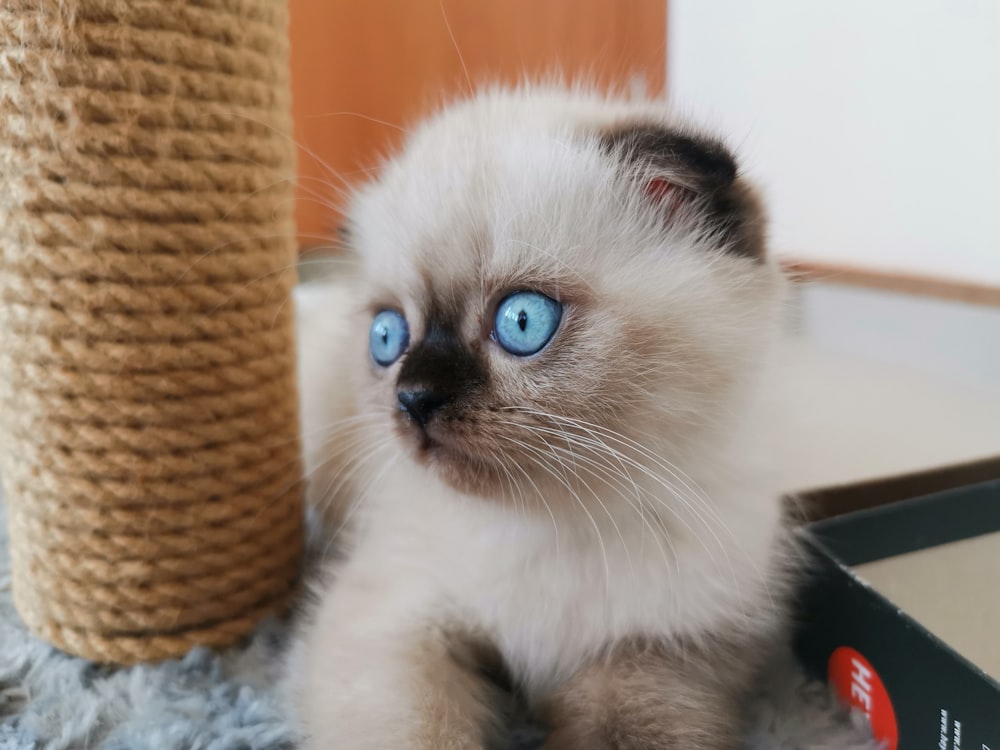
(676, 170)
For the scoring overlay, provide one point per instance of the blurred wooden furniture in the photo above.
(363, 69)
(894, 281)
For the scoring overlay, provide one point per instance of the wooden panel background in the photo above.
(363, 69)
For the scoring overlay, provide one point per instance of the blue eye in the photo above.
(388, 338)
(525, 322)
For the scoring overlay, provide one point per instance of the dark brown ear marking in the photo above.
(694, 162)
(678, 168)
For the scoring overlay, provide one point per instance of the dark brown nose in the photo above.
(420, 403)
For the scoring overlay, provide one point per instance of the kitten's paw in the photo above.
(646, 697)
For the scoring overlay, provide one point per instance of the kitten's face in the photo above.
(551, 284)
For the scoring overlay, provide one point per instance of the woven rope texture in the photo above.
(148, 415)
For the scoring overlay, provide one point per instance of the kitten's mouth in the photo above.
(427, 443)
(449, 446)
(435, 442)
(426, 436)
(432, 443)
(453, 449)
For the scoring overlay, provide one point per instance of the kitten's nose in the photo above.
(420, 403)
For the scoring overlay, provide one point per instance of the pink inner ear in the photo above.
(658, 189)
(665, 195)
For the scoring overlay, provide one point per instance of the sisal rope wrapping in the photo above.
(148, 421)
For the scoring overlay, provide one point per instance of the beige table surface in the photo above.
(846, 418)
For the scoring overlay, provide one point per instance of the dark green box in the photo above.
(918, 691)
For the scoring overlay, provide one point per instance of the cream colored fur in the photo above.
(653, 516)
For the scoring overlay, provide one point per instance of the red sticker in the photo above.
(858, 684)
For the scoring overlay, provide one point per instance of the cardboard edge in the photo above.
(820, 503)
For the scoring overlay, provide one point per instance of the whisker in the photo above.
(595, 431)
(600, 471)
(461, 57)
(365, 491)
(538, 492)
(604, 473)
(596, 496)
(369, 118)
(542, 464)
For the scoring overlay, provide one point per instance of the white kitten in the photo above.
(533, 406)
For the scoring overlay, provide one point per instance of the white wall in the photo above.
(874, 125)
(953, 343)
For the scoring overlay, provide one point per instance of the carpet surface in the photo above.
(231, 700)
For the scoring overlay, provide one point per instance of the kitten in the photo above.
(533, 405)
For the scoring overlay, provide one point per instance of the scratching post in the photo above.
(148, 423)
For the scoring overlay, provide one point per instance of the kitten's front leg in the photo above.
(383, 680)
(653, 697)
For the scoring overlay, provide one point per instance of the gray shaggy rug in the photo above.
(231, 700)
